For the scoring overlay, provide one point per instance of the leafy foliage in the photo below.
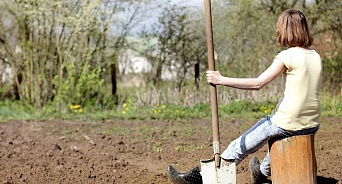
(60, 41)
(178, 47)
(60, 52)
(76, 88)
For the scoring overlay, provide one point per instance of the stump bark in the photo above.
(293, 160)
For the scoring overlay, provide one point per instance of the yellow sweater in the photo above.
(299, 108)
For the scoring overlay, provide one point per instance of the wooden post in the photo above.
(114, 87)
(293, 160)
(197, 74)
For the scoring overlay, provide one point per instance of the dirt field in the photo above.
(133, 151)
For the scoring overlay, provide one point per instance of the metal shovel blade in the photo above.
(224, 174)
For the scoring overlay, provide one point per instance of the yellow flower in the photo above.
(177, 111)
(75, 106)
(126, 109)
(155, 111)
(124, 105)
(164, 106)
(123, 112)
(80, 111)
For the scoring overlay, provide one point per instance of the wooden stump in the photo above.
(293, 160)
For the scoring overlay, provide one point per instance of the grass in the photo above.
(16, 110)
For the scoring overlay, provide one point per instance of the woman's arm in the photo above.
(277, 67)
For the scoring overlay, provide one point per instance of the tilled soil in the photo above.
(134, 151)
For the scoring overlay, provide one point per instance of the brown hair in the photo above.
(292, 29)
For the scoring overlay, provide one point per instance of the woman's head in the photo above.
(292, 29)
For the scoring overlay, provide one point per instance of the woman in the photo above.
(298, 110)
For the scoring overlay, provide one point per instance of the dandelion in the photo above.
(124, 105)
(155, 111)
(177, 111)
(75, 106)
(80, 111)
(164, 106)
(123, 112)
(126, 109)
(157, 105)
(267, 110)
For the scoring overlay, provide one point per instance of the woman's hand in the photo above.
(214, 77)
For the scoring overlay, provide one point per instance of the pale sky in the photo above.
(196, 2)
(153, 16)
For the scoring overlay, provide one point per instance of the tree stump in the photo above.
(293, 160)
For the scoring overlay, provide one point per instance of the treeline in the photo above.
(61, 52)
(246, 35)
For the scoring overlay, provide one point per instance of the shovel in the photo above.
(215, 170)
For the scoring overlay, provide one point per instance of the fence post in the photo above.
(197, 74)
(293, 160)
(113, 81)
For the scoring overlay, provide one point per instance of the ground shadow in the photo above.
(324, 180)
(320, 180)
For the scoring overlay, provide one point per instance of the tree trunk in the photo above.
(293, 160)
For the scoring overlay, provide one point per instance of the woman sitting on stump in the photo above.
(298, 110)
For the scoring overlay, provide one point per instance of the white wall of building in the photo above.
(6, 73)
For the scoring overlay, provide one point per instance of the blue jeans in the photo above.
(255, 138)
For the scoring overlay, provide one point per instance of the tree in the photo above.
(60, 47)
(179, 43)
(245, 38)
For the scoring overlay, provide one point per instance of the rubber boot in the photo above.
(256, 175)
(191, 177)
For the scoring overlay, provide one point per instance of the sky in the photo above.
(196, 3)
(153, 15)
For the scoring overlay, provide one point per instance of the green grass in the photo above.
(16, 110)
(331, 105)
(114, 130)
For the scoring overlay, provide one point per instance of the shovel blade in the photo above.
(225, 174)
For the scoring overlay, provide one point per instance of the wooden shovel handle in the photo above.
(213, 92)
